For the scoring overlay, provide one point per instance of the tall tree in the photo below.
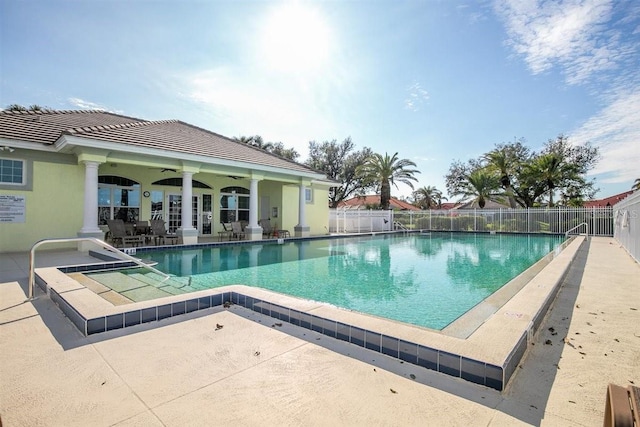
(559, 169)
(481, 185)
(572, 163)
(636, 185)
(507, 160)
(385, 171)
(279, 149)
(456, 178)
(339, 162)
(276, 148)
(428, 197)
(550, 170)
(18, 107)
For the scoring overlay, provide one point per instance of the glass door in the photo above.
(174, 213)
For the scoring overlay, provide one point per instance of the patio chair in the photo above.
(226, 233)
(142, 227)
(267, 229)
(160, 232)
(118, 233)
(237, 232)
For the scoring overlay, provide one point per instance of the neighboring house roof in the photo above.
(607, 201)
(449, 205)
(49, 127)
(489, 204)
(362, 202)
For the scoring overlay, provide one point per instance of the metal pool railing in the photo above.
(104, 245)
(576, 227)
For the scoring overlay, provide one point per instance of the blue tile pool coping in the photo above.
(455, 365)
(458, 366)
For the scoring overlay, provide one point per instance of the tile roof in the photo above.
(170, 135)
(489, 204)
(47, 126)
(372, 200)
(449, 205)
(607, 201)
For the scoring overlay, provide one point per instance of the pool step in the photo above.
(141, 287)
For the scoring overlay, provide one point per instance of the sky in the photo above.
(434, 80)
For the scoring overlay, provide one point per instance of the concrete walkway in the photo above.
(232, 366)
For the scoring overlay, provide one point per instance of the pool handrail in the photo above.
(566, 234)
(82, 239)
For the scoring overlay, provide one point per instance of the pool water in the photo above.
(427, 280)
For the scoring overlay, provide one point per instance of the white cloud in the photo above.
(616, 131)
(569, 34)
(88, 105)
(584, 38)
(416, 97)
(280, 109)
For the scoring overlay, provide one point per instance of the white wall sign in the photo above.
(12, 208)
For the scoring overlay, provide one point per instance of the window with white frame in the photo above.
(118, 198)
(234, 204)
(308, 195)
(12, 172)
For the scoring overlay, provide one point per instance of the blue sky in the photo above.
(435, 81)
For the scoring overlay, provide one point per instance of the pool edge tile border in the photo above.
(455, 360)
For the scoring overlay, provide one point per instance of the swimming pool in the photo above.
(427, 280)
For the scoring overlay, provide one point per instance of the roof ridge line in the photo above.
(99, 128)
(53, 111)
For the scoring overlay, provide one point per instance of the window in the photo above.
(234, 204)
(118, 198)
(157, 204)
(308, 195)
(12, 172)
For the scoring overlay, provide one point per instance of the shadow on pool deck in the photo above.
(223, 366)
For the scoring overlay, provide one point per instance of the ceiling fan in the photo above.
(165, 169)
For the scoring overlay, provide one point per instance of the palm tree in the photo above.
(428, 197)
(255, 141)
(501, 162)
(385, 171)
(482, 185)
(636, 185)
(553, 172)
(18, 107)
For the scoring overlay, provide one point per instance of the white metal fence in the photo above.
(626, 215)
(359, 221)
(532, 220)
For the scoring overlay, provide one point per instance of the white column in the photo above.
(187, 193)
(186, 231)
(302, 229)
(253, 231)
(302, 206)
(253, 204)
(90, 215)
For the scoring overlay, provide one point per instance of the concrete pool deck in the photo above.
(219, 366)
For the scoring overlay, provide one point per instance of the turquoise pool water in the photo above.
(426, 280)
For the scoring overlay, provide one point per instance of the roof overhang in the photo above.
(145, 156)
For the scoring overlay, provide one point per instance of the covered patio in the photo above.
(98, 166)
